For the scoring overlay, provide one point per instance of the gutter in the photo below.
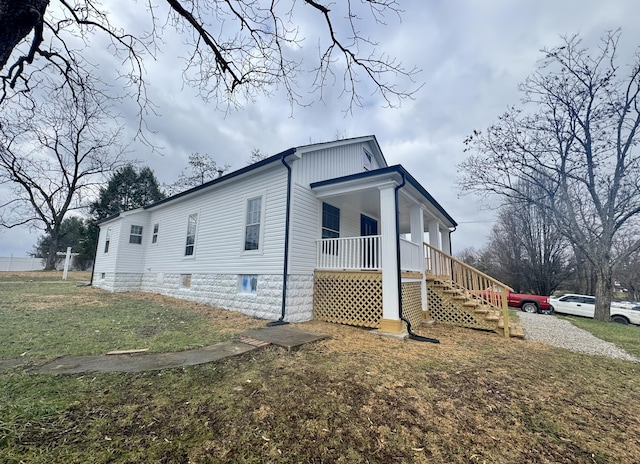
(412, 335)
(285, 272)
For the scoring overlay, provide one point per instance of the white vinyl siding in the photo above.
(304, 231)
(221, 228)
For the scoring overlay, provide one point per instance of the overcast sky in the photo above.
(472, 54)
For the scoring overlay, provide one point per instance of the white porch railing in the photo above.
(411, 256)
(364, 253)
(361, 253)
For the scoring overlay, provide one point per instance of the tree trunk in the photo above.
(52, 257)
(17, 19)
(604, 293)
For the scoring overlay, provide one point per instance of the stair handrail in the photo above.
(473, 282)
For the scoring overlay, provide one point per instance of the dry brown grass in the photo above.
(356, 397)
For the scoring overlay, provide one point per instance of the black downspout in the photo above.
(412, 335)
(285, 272)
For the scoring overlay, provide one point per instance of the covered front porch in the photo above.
(371, 260)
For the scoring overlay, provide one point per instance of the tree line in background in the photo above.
(567, 157)
(128, 187)
(526, 252)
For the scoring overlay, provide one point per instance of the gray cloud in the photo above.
(473, 55)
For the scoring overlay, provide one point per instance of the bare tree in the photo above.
(574, 139)
(234, 51)
(51, 156)
(256, 155)
(201, 168)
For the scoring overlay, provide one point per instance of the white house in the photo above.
(326, 230)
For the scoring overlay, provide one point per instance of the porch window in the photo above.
(330, 221)
(136, 235)
(192, 224)
(252, 227)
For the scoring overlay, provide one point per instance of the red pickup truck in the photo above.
(527, 303)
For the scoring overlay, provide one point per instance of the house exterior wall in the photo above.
(106, 262)
(332, 162)
(215, 269)
(219, 257)
(306, 209)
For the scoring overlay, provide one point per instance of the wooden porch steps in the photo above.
(450, 304)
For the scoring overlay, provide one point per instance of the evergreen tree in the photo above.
(74, 233)
(127, 189)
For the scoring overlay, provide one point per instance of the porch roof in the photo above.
(353, 183)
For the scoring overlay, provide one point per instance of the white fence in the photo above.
(14, 264)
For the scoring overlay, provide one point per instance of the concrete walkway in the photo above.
(283, 336)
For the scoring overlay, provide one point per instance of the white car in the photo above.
(585, 306)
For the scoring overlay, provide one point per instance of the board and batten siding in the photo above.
(330, 163)
(219, 245)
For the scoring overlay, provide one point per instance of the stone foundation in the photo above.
(223, 290)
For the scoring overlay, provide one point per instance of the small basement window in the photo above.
(248, 284)
(185, 280)
(136, 235)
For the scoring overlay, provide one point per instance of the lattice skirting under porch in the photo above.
(352, 298)
(412, 302)
(443, 309)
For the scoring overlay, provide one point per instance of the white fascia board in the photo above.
(356, 185)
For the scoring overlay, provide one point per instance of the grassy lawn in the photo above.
(356, 397)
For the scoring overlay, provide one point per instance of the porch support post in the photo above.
(434, 235)
(446, 240)
(390, 322)
(417, 237)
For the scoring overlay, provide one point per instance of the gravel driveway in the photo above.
(563, 334)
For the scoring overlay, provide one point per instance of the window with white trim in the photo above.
(107, 240)
(136, 235)
(154, 238)
(330, 221)
(252, 224)
(192, 225)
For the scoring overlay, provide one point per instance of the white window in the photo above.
(107, 240)
(248, 284)
(136, 235)
(252, 227)
(192, 225)
(366, 161)
(154, 238)
(185, 280)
